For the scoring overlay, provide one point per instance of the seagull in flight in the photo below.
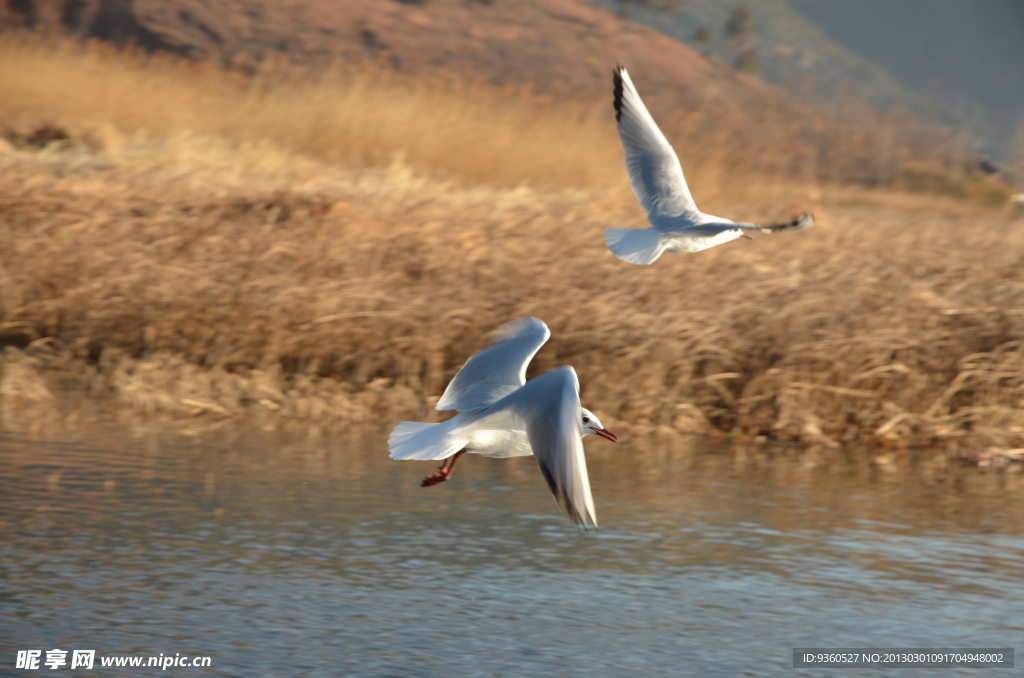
(657, 180)
(503, 415)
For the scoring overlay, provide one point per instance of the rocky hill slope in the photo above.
(565, 47)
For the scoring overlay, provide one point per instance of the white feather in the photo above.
(658, 183)
(421, 441)
(497, 370)
(634, 245)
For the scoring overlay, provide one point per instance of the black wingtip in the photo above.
(562, 499)
(794, 225)
(802, 222)
(617, 89)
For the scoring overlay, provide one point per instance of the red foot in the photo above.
(436, 477)
(444, 471)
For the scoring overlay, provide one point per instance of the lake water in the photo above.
(283, 555)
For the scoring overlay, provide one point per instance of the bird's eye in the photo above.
(586, 420)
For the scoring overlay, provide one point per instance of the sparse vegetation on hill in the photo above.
(887, 54)
(361, 118)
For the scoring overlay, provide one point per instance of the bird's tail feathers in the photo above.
(417, 440)
(634, 245)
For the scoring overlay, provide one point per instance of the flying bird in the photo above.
(657, 180)
(503, 415)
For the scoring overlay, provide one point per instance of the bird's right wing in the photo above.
(497, 370)
(549, 407)
(794, 225)
(652, 165)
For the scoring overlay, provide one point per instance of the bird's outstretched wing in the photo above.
(549, 407)
(497, 370)
(652, 165)
(794, 225)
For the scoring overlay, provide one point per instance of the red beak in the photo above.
(606, 434)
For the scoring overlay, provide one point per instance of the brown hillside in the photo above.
(565, 47)
(562, 48)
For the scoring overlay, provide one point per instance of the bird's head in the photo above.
(591, 425)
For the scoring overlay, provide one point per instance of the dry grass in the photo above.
(202, 270)
(451, 129)
(361, 118)
(309, 292)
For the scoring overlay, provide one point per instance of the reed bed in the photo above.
(317, 293)
(172, 252)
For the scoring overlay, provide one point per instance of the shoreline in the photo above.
(51, 395)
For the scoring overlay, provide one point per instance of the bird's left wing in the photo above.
(497, 370)
(652, 165)
(549, 408)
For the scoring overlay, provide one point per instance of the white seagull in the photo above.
(657, 180)
(503, 415)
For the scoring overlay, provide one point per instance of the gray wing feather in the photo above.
(652, 165)
(549, 407)
(497, 370)
(794, 225)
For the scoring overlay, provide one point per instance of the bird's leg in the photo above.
(453, 459)
(444, 471)
(747, 236)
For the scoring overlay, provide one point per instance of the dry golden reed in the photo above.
(362, 118)
(352, 295)
(196, 269)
